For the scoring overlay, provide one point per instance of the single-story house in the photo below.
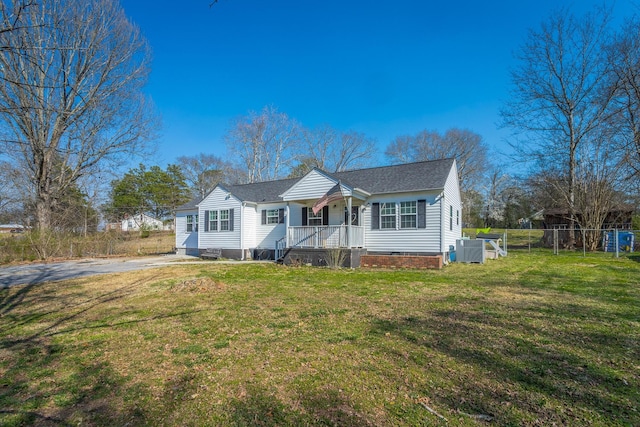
(407, 209)
(138, 221)
(12, 228)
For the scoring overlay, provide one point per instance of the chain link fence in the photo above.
(615, 242)
(17, 247)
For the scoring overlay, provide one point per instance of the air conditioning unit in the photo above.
(470, 251)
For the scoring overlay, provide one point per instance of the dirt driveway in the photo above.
(31, 274)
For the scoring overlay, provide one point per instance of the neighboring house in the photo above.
(409, 209)
(136, 222)
(11, 228)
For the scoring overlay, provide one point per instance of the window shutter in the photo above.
(422, 214)
(206, 220)
(264, 216)
(281, 216)
(305, 216)
(375, 216)
(325, 215)
(230, 219)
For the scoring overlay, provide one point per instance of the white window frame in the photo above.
(388, 211)
(192, 226)
(224, 220)
(213, 220)
(314, 220)
(273, 216)
(408, 210)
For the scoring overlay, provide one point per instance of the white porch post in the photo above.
(349, 222)
(286, 224)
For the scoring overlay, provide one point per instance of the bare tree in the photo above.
(559, 97)
(624, 55)
(203, 171)
(353, 150)
(10, 14)
(467, 147)
(263, 144)
(334, 151)
(70, 99)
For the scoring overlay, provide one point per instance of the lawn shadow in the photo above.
(53, 382)
(259, 406)
(515, 375)
(88, 392)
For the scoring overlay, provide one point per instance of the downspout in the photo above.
(244, 204)
(442, 224)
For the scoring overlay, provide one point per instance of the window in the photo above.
(450, 217)
(192, 223)
(314, 219)
(224, 220)
(273, 216)
(388, 215)
(213, 220)
(457, 217)
(408, 214)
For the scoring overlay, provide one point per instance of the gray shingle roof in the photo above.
(426, 175)
(262, 192)
(190, 205)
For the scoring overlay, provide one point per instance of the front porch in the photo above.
(321, 237)
(326, 236)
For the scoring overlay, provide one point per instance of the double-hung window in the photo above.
(273, 216)
(213, 220)
(192, 223)
(224, 220)
(314, 219)
(450, 217)
(408, 214)
(388, 215)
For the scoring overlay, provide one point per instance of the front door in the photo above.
(355, 215)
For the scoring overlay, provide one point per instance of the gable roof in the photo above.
(407, 177)
(426, 175)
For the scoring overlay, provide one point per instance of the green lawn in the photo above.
(531, 339)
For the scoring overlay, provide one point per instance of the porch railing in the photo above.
(325, 236)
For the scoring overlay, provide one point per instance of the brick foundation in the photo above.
(401, 261)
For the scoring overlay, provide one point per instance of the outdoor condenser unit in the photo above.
(470, 250)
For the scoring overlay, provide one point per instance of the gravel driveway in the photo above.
(31, 274)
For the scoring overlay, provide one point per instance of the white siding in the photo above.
(186, 242)
(249, 215)
(267, 234)
(452, 199)
(295, 214)
(313, 186)
(405, 240)
(218, 200)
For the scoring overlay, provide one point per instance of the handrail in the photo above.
(318, 229)
(281, 245)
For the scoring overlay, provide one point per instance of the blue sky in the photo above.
(383, 68)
